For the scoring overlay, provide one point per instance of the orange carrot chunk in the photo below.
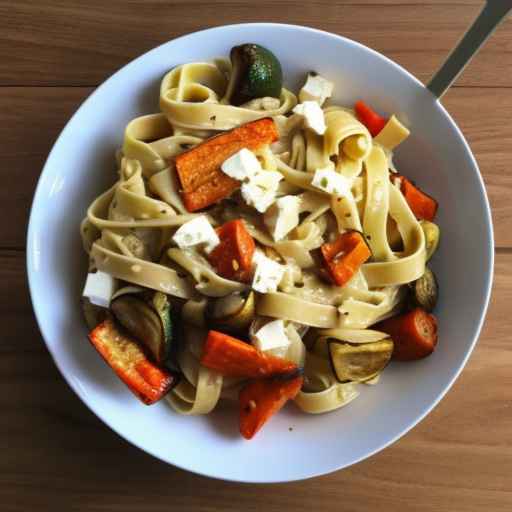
(201, 178)
(373, 121)
(235, 358)
(261, 399)
(422, 205)
(343, 257)
(146, 380)
(232, 257)
(414, 334)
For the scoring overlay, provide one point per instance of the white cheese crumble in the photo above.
(242, 165)
(283, 216)
(313, 116)
(195, 232)
(260, 191)
(99, 288)
(268, 274)
(316, 88)
(271, 336)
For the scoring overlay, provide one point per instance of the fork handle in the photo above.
(492, 14)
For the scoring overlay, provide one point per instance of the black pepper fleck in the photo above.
(213, 118)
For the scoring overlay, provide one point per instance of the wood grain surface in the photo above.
(56, 455)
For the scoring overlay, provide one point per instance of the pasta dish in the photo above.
(258, 246)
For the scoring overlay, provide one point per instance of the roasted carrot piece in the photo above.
(344, 256)
(414, 334)
(261, 399)
(373, 121)
(232, 257)
(146, 380)
(202, 181)
(422, 205)
(235, 358)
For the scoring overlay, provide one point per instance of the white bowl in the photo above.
(81, 164)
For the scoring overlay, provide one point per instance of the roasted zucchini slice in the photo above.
(232, 313)
(361, 362)
(424, 291)
(148, 317)
(432, 234)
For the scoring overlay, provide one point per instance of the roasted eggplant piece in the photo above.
(147, 316)
(232, 313)
(256, 73)
(432, 234)
(93, 314)
(424, 291)
(361, 362)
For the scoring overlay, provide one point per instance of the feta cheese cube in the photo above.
(316, 88)
(331, 182)
(99, 288)
(260, 191)
(195, 232)
(283, 216)
(271, 336)
(242, 165)
(313, 116)
(268, 274)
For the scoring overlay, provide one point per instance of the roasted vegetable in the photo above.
(122, 353)
(343, 257)
(260, 399)
(235, 358)
(359, 362)
(147, 316)
(201, 178)
(424, 291)
(373, 121)
(421, 204)
(414, 334)
(232, 313)
(256, 73)
(432, 234)
(232, 257)
(93, 314)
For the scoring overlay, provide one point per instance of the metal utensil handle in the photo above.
(490, 17)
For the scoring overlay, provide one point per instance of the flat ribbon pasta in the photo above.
(143, 273)
(137, 141)
(208, 282)
(288, 307)
(200, 398)
(410, 265)
(334, 397)
(377, 205)
(190, 97)
(341, 125)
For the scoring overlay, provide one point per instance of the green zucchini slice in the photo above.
(424, 291)
(432, 235)
(361, 362)
(148, 317)
(233, 313)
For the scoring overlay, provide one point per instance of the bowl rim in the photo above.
(31, 252)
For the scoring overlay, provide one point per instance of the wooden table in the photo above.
(55, 454)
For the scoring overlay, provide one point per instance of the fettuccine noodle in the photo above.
(129, 231)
